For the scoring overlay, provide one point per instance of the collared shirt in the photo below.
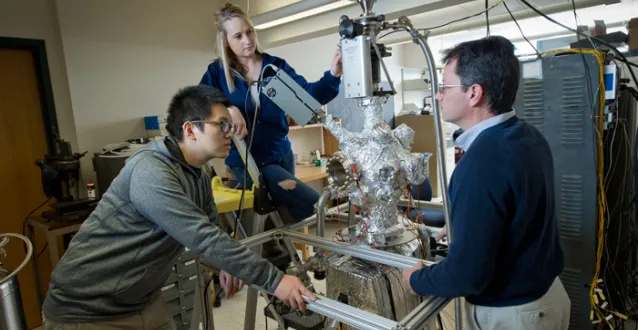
(465, 140)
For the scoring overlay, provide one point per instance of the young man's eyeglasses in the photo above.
(443, 87)
(225, 125)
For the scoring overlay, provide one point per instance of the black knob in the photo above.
(349, 29)
(320, 275)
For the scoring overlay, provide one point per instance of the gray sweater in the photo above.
(124, 252)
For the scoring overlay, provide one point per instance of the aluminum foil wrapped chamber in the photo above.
(373, 169)
(371, 287)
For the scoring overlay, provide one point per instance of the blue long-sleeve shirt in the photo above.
(270, 142)
(505, 250)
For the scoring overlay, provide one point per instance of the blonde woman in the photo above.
(237, 72)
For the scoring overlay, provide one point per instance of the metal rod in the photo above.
(259, 238)
(387, 75)
(321, 211)
(253, 170)
(361, 252)
(434, 86)
(421, 315)
(422, 205)
(311, 219)
(352, 316)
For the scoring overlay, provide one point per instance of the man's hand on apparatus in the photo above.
(239, 121)
(230, 284)
(441, 234)
(291, 291)
(408, 272)
(336, 68)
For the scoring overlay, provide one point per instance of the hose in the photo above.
(26, 260)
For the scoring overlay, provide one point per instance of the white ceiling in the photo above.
(423, 13)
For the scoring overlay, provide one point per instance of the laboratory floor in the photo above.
(230, 315)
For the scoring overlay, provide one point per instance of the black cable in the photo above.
(521, 30)
(206, 302)
(42, 251)
(243, 191)
(628, 63)
(622, 57)
(589, 86)
(464, 18)
(27, 219)
(391, 32)
(439, 321)
(487, 17)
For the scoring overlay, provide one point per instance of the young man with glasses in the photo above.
(112, 273)
(505, 255)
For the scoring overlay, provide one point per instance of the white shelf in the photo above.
(415, 84)
(296, 127)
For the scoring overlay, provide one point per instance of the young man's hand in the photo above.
(290, 290)
(230, 284)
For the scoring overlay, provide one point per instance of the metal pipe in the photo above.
(259, 238)
(358, 318)
(25, 261)
(361, 252)
(321, 211)
(421, 315)
(387, 75)
(313, 218)
(421, 205)
(434, 86)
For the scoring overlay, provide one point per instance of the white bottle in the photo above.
(90, 189)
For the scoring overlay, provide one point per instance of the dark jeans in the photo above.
(299, 200)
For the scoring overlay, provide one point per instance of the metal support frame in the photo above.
(333, 309)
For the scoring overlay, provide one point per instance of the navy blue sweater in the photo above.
(505, 250)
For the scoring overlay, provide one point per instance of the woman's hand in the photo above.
(238, 119)
(336, 69)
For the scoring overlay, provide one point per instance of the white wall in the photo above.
(310, 58)
(38, 19)
(126, 59)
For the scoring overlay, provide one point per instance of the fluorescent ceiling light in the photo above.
(304, 14)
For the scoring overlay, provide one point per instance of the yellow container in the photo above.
(227, 199)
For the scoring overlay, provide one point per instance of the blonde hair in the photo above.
(232, 67)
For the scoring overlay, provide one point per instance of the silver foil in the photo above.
(372, 287)
(358, 283)
(384, 167)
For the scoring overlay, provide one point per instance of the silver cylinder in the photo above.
(11, 312)
(321, 211)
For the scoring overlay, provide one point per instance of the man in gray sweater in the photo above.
(111, 275)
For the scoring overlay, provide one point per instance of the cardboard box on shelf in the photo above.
(600, 29)
(424, 141)
(632, 29)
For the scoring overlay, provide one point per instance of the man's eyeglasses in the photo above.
(225, 125)
(442, 87)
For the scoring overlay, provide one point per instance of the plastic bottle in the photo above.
(90, 189)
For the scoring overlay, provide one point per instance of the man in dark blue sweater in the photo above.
(505, 255)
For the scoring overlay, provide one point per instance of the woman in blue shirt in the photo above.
(237, 72)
